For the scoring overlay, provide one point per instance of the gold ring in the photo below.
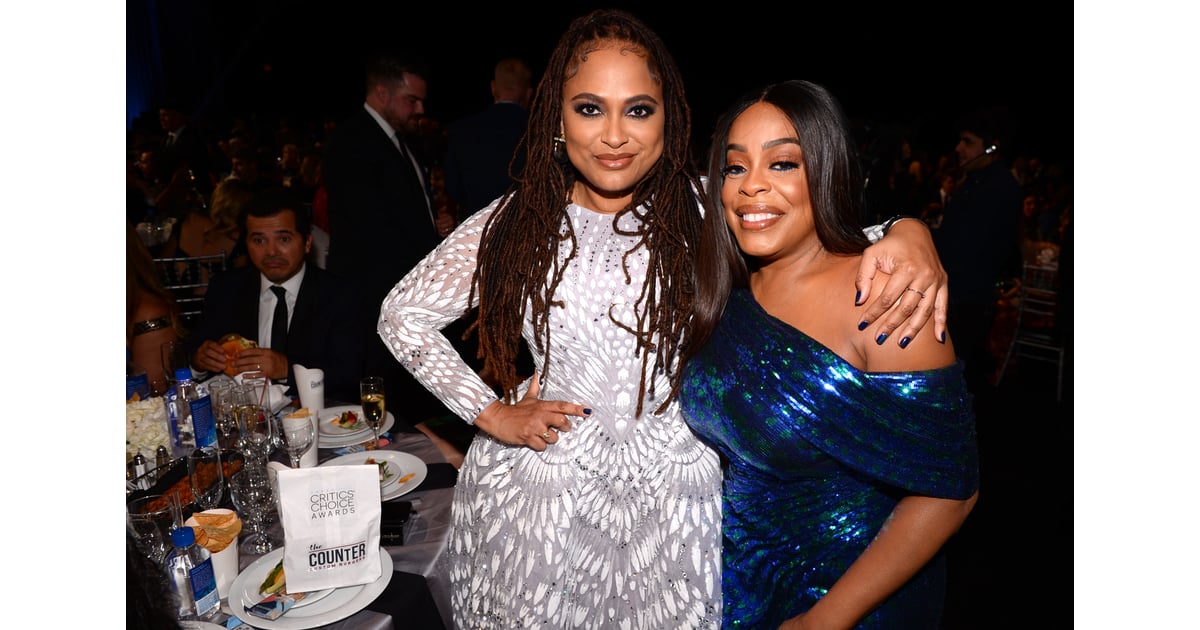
(914, 291)
(546, 435)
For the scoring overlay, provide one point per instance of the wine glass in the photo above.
(298, 436)
(257, 434)
(206, 477)
(149, 518)
(371, 394)
(253, 497)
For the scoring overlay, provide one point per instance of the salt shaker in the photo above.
(139, 472)
(162, 459)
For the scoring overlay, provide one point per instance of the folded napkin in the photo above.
(310, 385)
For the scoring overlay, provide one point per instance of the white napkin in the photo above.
(310, 384)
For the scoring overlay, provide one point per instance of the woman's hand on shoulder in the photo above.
(529, 422)
(915, 290)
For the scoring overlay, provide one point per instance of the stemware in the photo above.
(254, 497)
(298, 436)
(206, 477)
(257, 434)
(372, 397)
(223, 404)
(174, 357)
(149, 519)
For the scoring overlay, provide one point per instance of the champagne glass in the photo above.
(206, 477)
(253, 497)
(298, 436)
(371, 395)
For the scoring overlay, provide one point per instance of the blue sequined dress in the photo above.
(818, 453)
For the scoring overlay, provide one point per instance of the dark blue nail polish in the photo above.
(880, 339)
(857, 297)
(943, 336)
(587, 411)
(904, 342)
(863, 325)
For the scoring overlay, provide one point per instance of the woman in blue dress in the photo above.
(848, 462)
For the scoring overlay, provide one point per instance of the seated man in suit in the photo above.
(324, 323)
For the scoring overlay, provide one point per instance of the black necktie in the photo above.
(279, 325)
(422, 177)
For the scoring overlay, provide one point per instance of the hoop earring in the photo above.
(559, 150)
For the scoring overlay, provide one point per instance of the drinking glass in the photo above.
(371, 395)
(298, 436)
(206, 477)
(149, 518)
(223, 404)
(257, 434)
(254, 498)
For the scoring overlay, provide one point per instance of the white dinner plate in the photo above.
(251, 595)
(401, 464)
(340, 604)
(337, 438)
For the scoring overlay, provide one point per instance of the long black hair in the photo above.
(835, 187)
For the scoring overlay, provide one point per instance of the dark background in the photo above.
(903, 68)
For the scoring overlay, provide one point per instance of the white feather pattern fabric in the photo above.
(617, 525)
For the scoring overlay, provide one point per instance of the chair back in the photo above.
(1038, 335)
(187, 278)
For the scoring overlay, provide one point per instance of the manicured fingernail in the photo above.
(587, 411)
(880, 339)
(943, 336)
(857, 297)
(904, 342)
(863, 325)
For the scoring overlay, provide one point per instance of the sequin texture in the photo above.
(819, 453)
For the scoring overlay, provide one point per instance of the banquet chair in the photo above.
(187, 279)
(1037, 336)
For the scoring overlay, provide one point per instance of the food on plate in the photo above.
(275, 581)
(302, 412)
(346, 420)
(405, 478)
(232, 344)
(384, 472)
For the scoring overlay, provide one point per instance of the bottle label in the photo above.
(137, 384)
(204, 588)
(204, 425)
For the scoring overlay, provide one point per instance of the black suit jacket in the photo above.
(478, 151)
(325, 330)
(379, 223)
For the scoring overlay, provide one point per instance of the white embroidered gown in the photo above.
(617, 525)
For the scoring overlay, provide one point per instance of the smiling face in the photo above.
(613, 122)
(276, 247)
(765, 186)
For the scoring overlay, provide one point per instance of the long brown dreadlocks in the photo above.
(519, 249)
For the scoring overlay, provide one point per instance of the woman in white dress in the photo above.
(585, 501)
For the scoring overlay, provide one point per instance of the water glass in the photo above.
(257, 434)
(298, 435)
(254, 497)
(223, 404)
(206, 477)
(149, 518)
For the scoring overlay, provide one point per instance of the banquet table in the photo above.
(417, 595)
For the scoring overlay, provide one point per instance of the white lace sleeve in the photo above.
(430, 297)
